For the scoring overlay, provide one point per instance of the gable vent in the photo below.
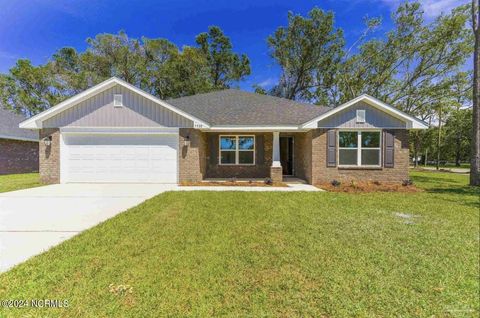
(117, 100)
(360, 115)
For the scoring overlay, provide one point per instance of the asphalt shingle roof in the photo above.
(236, 107)
(9, 126)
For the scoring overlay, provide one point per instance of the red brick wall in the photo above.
(322, 174)
(17, 156)
(50, 156)
(191, 159)
(259, 170)
(195, 163)
(302, 154)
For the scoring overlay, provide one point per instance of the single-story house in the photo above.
(18, 147)
(115, 132)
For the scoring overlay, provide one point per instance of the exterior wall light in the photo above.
(186, 141)
(47, 141)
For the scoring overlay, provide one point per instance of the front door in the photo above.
(286, 155)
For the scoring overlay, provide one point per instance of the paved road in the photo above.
(33, 220)
(456, 170)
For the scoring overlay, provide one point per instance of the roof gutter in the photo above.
(18, 138)
(235, 128)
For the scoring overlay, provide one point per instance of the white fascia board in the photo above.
(411, 122)
(18, 138)
(119, 130)
(35, 122)
(253, 128)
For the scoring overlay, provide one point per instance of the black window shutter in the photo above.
(259, 150)
(389, 151)
(331, 148)
(213, 148)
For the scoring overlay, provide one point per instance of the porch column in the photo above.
(276, 168)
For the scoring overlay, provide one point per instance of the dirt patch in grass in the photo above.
(233, 184)
(357, 187)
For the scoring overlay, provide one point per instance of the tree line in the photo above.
(417, 66)
(157, 66)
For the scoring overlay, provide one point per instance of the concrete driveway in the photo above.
(33, 220)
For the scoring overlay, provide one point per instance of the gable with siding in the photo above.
(374, 118)
(98, 111)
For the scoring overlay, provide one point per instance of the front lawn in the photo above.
(269, 254)
(12, 182)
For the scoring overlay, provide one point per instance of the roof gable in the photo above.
(36, 121)
(100, 111)
(410, 121)
(374, 118)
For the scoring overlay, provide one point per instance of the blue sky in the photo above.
(35, 29)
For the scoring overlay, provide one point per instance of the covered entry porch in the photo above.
(244, 155)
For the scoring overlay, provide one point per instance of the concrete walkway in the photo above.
(293, 187)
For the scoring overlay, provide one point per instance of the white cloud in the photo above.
(67, 7)
(268, 82)
(7, 55)
(432, 8)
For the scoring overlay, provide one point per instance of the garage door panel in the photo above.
(120, 158)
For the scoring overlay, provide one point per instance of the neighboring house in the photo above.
(115, 132)
(18, 147)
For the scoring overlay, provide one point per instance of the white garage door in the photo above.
(119, 158)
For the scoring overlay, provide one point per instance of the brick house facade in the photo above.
(18, 156)
(219, 135)
(199, 161)
(18, 147)
(50, 156)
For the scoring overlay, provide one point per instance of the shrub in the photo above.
(376, 183)
(268, 181)
(407, 182)
(335, 183)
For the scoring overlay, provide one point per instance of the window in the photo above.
(359, 148)
(237, 150)
(117, 100)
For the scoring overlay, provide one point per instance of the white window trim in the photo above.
(237, 150)
(115, 96)
(359, 148)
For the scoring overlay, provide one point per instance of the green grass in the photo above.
(270, 254)
(12, 182)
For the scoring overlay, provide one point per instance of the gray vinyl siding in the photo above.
(374, 118)
(98, 111)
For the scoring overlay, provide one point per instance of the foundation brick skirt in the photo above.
(276, 174)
